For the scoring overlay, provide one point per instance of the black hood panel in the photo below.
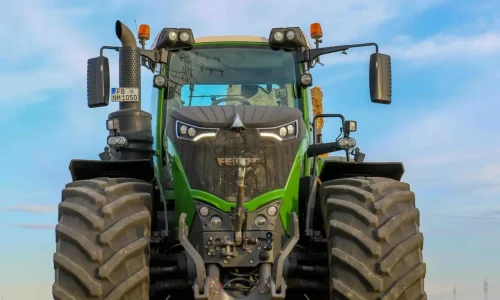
(223, 116)
(200, 159)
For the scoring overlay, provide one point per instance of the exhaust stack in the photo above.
(134, 123)
(130, 63)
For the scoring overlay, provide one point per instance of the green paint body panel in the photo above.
(182, 193)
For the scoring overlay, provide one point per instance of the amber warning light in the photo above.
(144, 32)
(316, 32)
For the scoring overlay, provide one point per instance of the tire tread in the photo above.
(374, 239)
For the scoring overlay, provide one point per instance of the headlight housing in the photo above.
(346, 143)
(193, 133)
(281, 133)
(288, 37)
(174, 39)
(117, 141)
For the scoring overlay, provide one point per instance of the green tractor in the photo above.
(231, 195)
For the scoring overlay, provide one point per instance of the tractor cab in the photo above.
(229, 71)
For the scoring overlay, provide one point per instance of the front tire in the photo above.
(375, 245)
(103, 240)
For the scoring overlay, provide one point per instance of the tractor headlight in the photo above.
(117, 141)
(216, 222)
(281, 133)
(185, 36)
(346, 143)
(351, 143)
(193, 133)
(175, 39)
(342, 143)
(278, 36)
(260, 221)
(172, 36)
(306, 80)
(112, 141)
(204, 211)
(159, 81)
(289, 37)
(272, 211)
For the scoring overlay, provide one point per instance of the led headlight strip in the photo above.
(188, 132)
(281, 133)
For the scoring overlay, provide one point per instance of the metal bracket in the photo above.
(294, 238)
(157, 56)
(191, 251)
(311, 203)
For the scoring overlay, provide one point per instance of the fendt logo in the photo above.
(236, 161)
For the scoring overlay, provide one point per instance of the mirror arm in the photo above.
(157, 56)
(324, 116)
(108, 47)
(309, 55)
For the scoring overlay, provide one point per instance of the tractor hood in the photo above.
(223, 116)
(208, 162)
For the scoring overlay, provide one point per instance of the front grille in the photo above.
(271, 171)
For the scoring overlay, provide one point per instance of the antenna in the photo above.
(135, 21)
(485, 289)
(454, 292)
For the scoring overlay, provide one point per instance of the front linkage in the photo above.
(271, 284)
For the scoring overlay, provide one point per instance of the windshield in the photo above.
(251, 75)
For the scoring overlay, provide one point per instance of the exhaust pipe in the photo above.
(134, 123)
(130, 62)
(124, 34)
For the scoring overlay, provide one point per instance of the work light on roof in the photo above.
(278, 36)
(175, 39)
(172, 36)
(287, 38)
(184, 36)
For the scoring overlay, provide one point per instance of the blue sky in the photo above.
(442, 123)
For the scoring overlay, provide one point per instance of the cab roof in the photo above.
(236, 38)
(231, 38)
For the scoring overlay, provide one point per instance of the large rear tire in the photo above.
(374, 239)
(103, 240)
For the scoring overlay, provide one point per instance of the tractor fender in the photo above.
(142, 169)
(336, 169)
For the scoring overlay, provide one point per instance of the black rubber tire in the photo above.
(374, 239)
(103, 240)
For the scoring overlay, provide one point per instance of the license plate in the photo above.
(125, 94)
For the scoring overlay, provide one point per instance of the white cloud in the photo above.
(52, 52)
(341, 20)
(30, 208)
(449, 47)
(451, 146)
(33, 226)
(427, 51)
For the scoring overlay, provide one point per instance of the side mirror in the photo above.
(98, 82)
(350, 126)
(380, 78)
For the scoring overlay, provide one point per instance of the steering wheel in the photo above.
(241, 100)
